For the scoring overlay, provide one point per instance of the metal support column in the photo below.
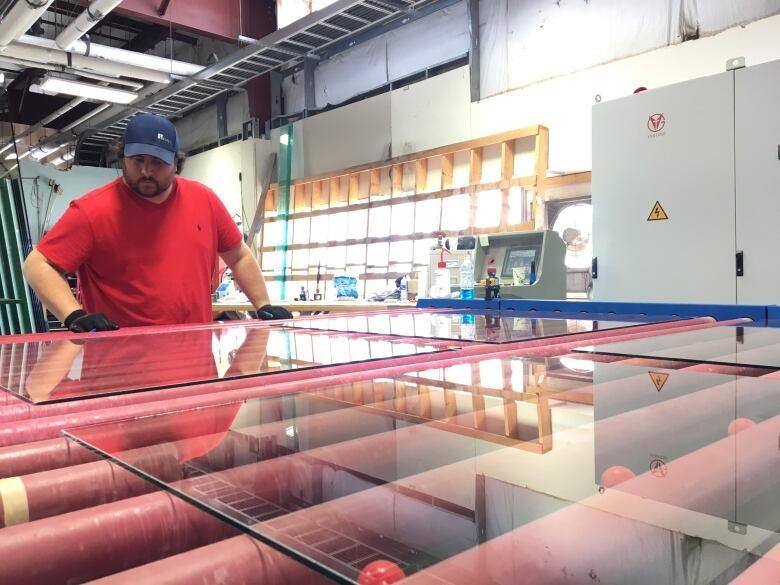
(309, 100)
(473, 13)
(222, 125)
(276, 97)
(283, 203)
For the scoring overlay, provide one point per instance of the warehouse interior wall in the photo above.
(46, 187)
(200, 128)
(437, 111)
(235, 172)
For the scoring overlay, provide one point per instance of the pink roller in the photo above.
(582, 541)
(236, 561)
(95, 542)
(41, 456)
(237, 390)
(51, 493)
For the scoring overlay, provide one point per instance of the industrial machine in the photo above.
(685, 202)
(529, 265)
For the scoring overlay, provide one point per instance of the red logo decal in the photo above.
(656, 122)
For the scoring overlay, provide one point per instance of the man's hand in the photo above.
(270, 312)
(79, 321)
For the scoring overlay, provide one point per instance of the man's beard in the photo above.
(148, 188)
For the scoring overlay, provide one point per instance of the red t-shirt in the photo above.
(139, 262)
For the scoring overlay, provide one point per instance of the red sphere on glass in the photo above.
(380, 573)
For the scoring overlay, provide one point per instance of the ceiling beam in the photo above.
(220, 20)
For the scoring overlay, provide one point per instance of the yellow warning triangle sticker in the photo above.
(659, 379)
(657, 213)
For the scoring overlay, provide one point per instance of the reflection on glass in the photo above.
(743, 346)
(51, 371)
(439, 476)
(484, 328)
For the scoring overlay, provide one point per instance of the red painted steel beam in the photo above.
(221, 19)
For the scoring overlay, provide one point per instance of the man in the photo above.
(145, 245)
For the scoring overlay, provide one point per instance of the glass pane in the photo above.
(379, 222)
(488, 327)
(337, 227)
(488, 209)
(273, 233)
(357, 227)
(447, 480)
(356, 254)
(317, 255)
(300, 259)
(377, 254)
(53, 371)
(319, 228)
(401, 251)
(300, 228)
(455, 212)
(517, 203)
(337, 257)
(274, 289)
(402, 219)
(427, 215)
(422, 251)
(742, 346)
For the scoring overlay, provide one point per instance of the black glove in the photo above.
(79, 321)
(270, 312)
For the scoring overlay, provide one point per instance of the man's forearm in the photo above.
(49, 285)
(249, 278)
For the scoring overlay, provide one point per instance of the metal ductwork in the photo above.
(55, 56)
(85, 21)
(118, 56)
(20, 18)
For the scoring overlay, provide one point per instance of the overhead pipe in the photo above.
(33, 52)
(119, 56)
(61, 69)
(84, 22)
(20, 18)
(85, 117)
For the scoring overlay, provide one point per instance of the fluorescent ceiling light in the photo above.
(9, 145)
(99, 93)
(39, 153)
(65, 157)
(11, 156)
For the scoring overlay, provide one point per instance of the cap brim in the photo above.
(138, 149)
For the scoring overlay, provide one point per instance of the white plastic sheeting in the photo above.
(335, 80)
(523, 41)
(718, 15)
(547, 38)
(435, 39)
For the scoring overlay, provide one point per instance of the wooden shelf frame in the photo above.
(408, 178)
